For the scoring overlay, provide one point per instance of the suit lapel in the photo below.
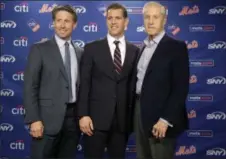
(106, 60)
(58, 58)
(127, 61)
(160, 48)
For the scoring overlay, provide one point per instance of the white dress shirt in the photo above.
(112, 46)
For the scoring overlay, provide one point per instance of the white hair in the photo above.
(163, 10)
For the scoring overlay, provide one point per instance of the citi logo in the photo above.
(21, 42)
(8, 24)
(91, 27)
(7, 92)
(19, 76)
(6, 127)
(23, 7)
(19, 110)
(7, 59)
(17, 145)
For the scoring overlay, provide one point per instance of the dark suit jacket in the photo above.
(102, 91)
(46, 85)
(165, 87)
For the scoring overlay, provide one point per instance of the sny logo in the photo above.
(7, 92)
(217, 80)
(6, 127)
(216, 116)
(23, 7)
(217, 45)
(216, 152)
(91, 27)
(189, 11)
(7, 59)
(218, 10)
(8, 24)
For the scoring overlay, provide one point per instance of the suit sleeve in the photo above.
(31, 85)
(180, 85)
(85, 82)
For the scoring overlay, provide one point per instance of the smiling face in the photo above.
(154, 20)
(116, 22)
(64, 24)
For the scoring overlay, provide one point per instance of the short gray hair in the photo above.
(164, 11)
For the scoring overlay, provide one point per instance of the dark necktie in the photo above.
(117, 58)
(67, 65)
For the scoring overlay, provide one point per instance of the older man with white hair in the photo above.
(161, 88)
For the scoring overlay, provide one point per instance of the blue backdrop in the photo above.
(201, 24)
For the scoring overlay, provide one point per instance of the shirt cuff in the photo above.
(165, 121)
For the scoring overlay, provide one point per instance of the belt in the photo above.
(71, 105)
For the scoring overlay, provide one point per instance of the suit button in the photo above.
(67, 87)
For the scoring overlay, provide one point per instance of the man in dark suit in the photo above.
(50, 90)
(103, 104)
(161, 88)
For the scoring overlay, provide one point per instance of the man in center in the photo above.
(103, 104)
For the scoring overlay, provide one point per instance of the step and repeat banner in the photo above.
(201, 24)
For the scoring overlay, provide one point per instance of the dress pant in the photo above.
(114, 140)
(61, 145)
(150, 147)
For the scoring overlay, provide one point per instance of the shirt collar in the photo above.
(61, 42)
(111, 39)
(156, 40)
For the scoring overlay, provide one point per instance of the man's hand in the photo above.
(86, 125)
(159, 129)
(36, 129)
